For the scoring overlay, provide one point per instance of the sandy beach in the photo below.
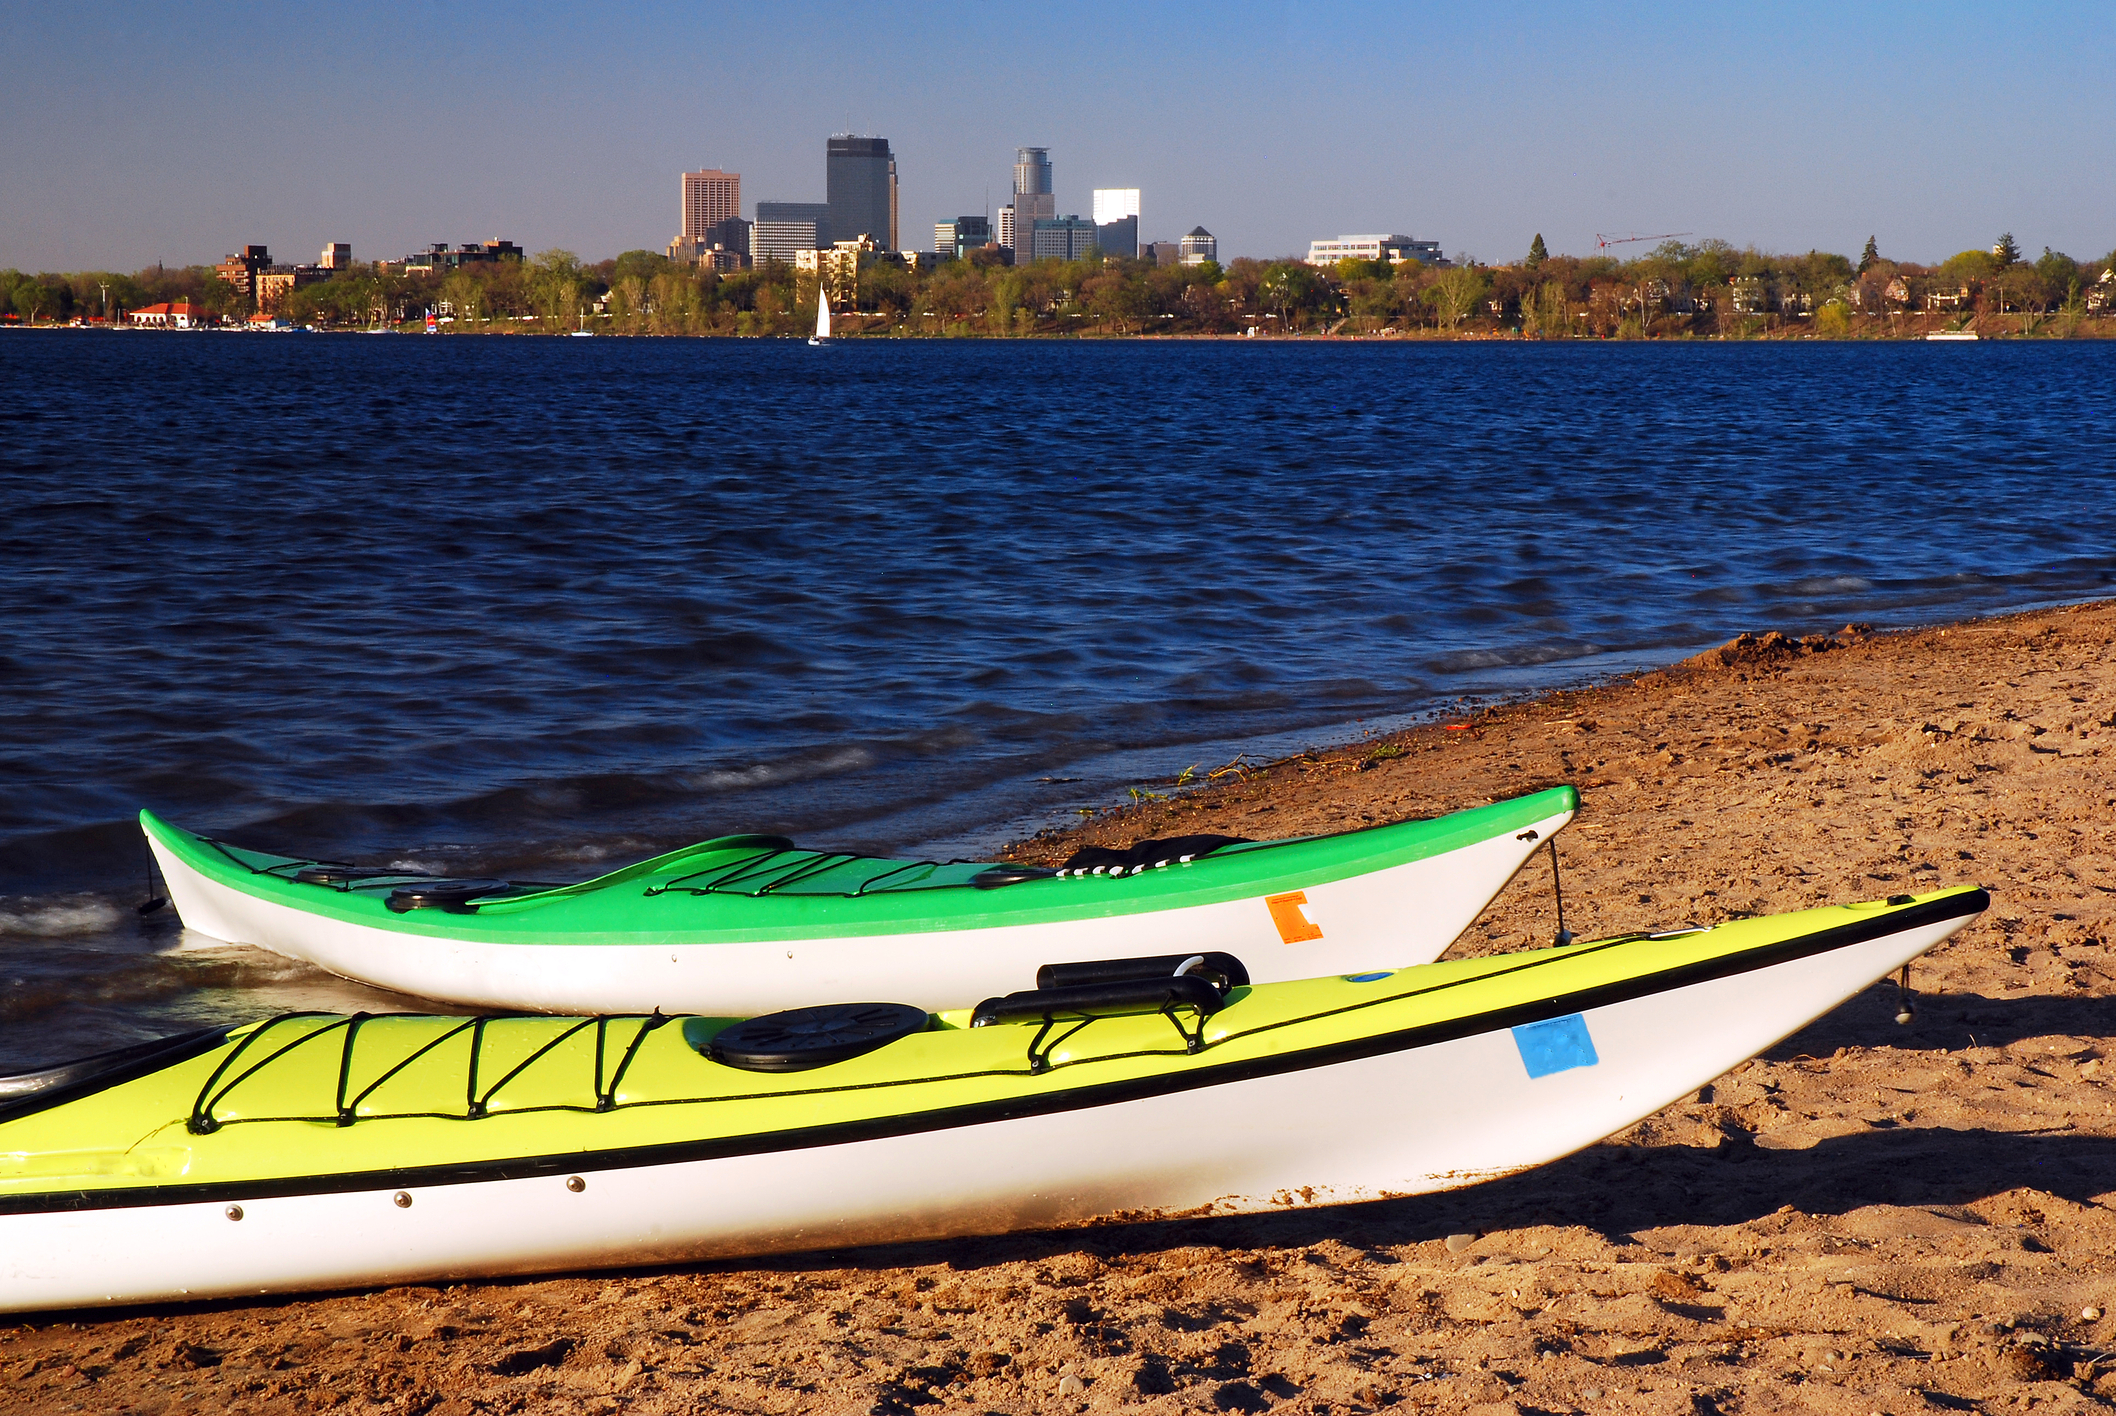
(1873, 1217)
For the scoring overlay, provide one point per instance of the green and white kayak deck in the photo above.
(745, 925)
(313, 1151)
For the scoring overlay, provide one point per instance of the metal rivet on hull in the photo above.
(234, 1211)
(576, 1184)
(402, 1200)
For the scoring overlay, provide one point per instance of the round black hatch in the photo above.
(451, 895)
(814, 1037)
(343, 876)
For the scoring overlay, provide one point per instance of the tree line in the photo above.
(1675, 290)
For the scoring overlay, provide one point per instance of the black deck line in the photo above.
(1894, 921)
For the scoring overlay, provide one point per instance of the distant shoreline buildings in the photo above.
(1117, 221)
(1374, 248)
(860, 203)
(712, 231)
(858, 221)
(265, 285)
(861, 210)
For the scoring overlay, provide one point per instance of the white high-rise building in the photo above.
(1115, 203)
(1117, 221)
(1374, 248)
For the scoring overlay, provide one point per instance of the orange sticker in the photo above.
(1293, 926)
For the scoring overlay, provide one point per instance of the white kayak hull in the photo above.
(1393, 917)
(1430, 1117)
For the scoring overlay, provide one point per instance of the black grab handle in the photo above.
(1215, 967)
(1095, 1000)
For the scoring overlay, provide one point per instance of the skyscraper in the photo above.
(1067, 238)
(1117, 221)
(785, 228)
(1199, 246)
(709, 198)
(953, 240)
(1033, 201)
(860, 182)
(1032, 171)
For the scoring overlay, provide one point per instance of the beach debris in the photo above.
(2028, 1358)
(1674, 1287)
(529, 1359)
(1459, 1243)
(1746, 648)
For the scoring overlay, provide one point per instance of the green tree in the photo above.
(40, 298)
(1353, 268)
(1545, 312)
(1537, 252)
(2006, 252)
(2057, 272)
(1291, 289)
(1870, 257)
(1968, 266)
(1455, 294)
(464, 294)
(555, 279)
(1007, 292)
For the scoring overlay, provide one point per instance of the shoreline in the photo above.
(1866, 1214)
(2084, 332)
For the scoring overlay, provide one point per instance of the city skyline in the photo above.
(1933, 128)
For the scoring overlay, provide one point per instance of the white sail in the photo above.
(822, 313)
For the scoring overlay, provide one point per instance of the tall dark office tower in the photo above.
(860, 180)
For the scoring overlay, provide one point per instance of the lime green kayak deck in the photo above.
(286, 1105)
(744, 887)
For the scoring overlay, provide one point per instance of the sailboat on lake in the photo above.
(822, 334)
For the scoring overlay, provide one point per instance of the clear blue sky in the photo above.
(174, 132)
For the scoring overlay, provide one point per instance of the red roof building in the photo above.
(174, 314)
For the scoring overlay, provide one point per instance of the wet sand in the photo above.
(1872, 1217)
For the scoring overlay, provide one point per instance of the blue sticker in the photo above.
(1368, 978)
(1555, 1045)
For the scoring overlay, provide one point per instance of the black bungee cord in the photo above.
(1564, 936)
(153, 901)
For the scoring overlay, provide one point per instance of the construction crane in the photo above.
(1603, 243)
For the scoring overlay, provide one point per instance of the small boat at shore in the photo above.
(749, 924)
(314, 1151)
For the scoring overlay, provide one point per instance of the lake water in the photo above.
(540, 606)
